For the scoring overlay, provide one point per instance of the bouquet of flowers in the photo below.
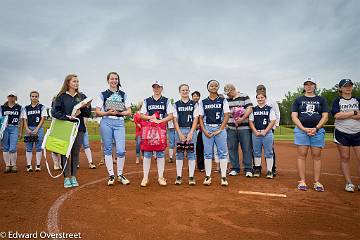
(115, 102)
(237, 112)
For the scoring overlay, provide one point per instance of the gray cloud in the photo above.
(277, 43)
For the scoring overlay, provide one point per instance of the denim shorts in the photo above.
(302, 139)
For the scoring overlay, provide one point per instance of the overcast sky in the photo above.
(276, 43)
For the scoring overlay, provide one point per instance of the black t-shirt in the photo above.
(310, 110)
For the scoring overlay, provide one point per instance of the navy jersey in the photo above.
(33, 114)
(185, 113)
(106, 94)
(13, 113)
(309, 110)
(213, 110)
(153, 106)
(261, 117)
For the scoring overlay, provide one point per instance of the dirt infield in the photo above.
(33, 202)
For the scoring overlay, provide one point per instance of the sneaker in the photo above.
(14, 169)
(269, 175)
(144, 182)
(78, 166)
(202, 170)
(349, 187)
(192, 181)
(207, 181)
(249, 174)
(37, 168)
(67, 183)
(74, 182)
(318, 187)
(302, 186)
(29, 168)
(137, 160)
(92, 166)
(170, 160)
(274, 172)
(224, 181)
(111, 180)
(233, 173)
(178, 180)
(162, 181)
(257, 172)
(101, 162)
(7, 169)
(123, 180)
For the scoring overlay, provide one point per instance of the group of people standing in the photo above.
(215, 125)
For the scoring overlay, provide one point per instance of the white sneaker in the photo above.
(207, 181)
(29, 168)
(92, 165)
(144, 182)
(162, 181)
(224, 182)
(123, 180)
(192, 181)
(37, 168)
(111, 180)
(233, 173)
(137, 160)
(249, 174)
(178, 180)
(349, 187)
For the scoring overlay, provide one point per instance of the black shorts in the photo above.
(346, 139)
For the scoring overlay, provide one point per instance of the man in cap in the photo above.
(239, 132)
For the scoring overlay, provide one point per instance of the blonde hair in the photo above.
(65, 86)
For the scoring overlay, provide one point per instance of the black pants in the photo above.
(73, 161)
(200, 152)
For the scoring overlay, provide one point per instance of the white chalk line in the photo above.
(263, 194)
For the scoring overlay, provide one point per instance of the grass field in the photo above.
(281, 133)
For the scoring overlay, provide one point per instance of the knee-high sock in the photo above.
(109, 164)
(191, 168)
(161, 166)
(208, 165)
(171, 152)
(88, 154)
(120, 165)
(6, 159)
(28, 158)
(13, 159)
(38, 158)
(179, 167)
(223, 167)
(257, 162)
(146, 167)
(269, 164)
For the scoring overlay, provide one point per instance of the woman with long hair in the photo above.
(63, 105)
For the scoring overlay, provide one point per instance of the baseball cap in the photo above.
(228, 87)
(309, 79)
(11, 93)
(157, 82)
(344, 82)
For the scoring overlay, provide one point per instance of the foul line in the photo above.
(263, 194)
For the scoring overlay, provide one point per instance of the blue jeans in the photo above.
(30, 145)
(242, 137)
(171, 134)
(113, 129)
(137, 141)
(219, 140)
(260, 141)
(190, 155)
(86, 143)
(10, 139)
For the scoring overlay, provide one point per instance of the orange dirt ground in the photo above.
(33, 202)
